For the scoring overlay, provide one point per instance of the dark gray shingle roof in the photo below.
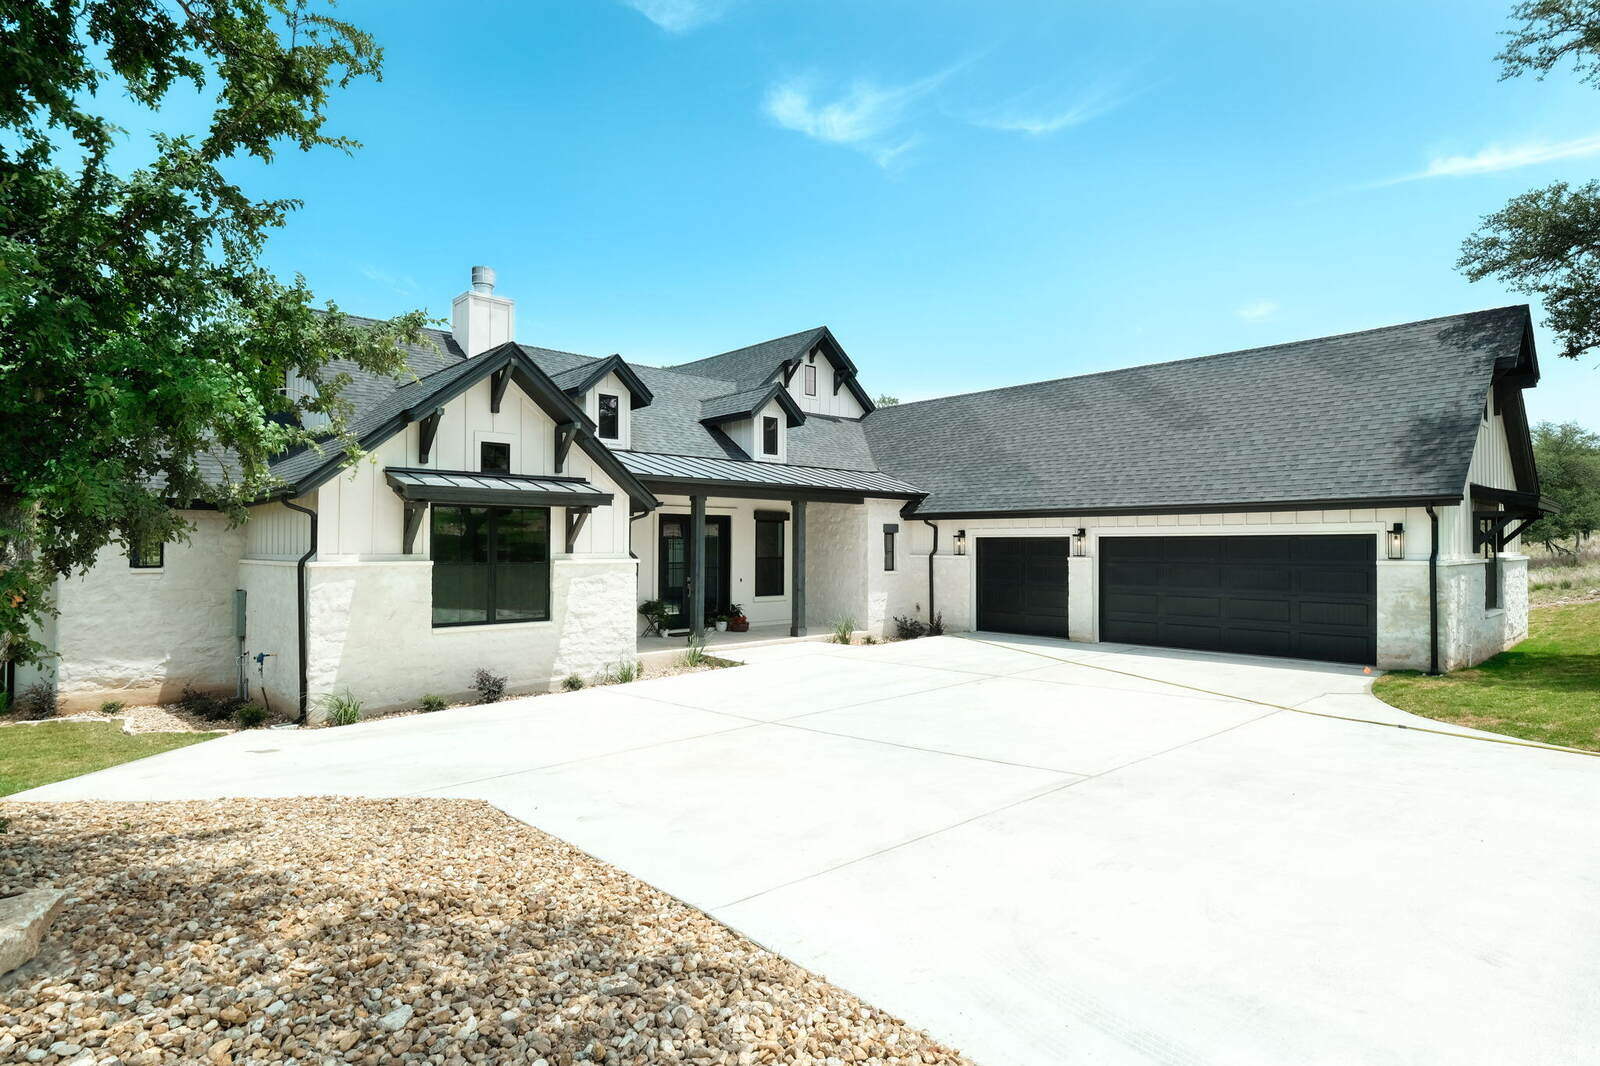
(1385, 413)
(742, 404)
(755, 364)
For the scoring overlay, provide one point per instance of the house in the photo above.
(1354, 498)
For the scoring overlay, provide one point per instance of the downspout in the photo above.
(300, 598)
(931, 553)
(1433, 593)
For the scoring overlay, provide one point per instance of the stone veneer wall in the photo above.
(836, 565)
(370, 632)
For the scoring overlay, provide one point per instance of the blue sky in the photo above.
(970, 194)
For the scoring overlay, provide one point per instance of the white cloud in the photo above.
(1257, 310)
(1503, 157)
(867, 117)
(400, 284)
(679, 16)
(1025, 114)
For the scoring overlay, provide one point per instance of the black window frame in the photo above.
(888, 550)
(1493, 594)
(811, 379)
(483, 457)
(138, 554)
(601, 416)
(492, 565)
(769, 433)
(782, 557)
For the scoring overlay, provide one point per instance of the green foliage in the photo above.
(342, 708)
(38, 702)
(491, 687)
(572, 682)
(842, 630)
(431, 703)
(250, 715)
(205, 705)
(885, 400)
(1568, 457)
(654, 612)
(112, 708)
(140, 340)
(624, 672)
(936, 626)
(694, 654)
(869, 639)
(908, 628)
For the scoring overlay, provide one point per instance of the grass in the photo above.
(1547, 688)
(33, 755)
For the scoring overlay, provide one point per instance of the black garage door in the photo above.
(1022, 585)
(1307, 597)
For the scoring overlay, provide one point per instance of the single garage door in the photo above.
(1022, 585)
(1309, 597)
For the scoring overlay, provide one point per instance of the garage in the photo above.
(1307, 597)
(1022, 585)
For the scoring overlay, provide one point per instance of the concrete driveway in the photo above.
(1044, 852)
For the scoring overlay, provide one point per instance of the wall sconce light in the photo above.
(1397, 541)
(961, 542)
(1080, 542)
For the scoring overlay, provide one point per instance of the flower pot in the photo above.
(739, 625)
(722, 625)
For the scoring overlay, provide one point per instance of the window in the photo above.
(888, 546)
(769, 435)
(811, 380)
(147, 552)
(769, 557)
(610, 417)
(1491, 565)
(490, 564)
(494, 457)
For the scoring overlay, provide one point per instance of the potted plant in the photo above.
(737, 622)
(655, 615)
(721, 620)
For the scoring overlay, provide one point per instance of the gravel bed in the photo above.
(387, 931)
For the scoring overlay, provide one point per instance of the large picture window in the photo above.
(490, 565)
(769, 557)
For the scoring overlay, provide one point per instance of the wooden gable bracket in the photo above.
(1507, 538)
(415, 511)
(576, 517)
(840, 379)
(1489, 528)
(497, 388)
(565, 434)
(430, 430)
(788, 370)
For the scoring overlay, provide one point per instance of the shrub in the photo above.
(206, 706)
(842, 628)
(111, 708)
(342, 708)
(624, 672)
(250, 715)
(869, 639)
(431, 703)
(907, 628)
(572, 682)
(491, 688)
(936, 626)
(695, 654)
(38, 701)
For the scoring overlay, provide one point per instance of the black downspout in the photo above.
(300, 598)
(931, 553)
(1433, 593)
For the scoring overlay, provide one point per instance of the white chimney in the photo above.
(479, 319)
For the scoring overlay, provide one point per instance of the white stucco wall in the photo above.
(140, 635)
(271, 614)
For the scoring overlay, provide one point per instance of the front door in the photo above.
(677, 562)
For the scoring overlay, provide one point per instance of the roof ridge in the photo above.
(1202, 358)
(747, 347)
(761, 462)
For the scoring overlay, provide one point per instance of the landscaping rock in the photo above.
(24, 919)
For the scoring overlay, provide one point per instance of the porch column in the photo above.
(797, 599)
(697, 568)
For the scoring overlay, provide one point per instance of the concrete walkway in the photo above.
(1044, 852)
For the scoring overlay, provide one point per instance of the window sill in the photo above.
(1491, 612)
(770, 599)
(493, 627)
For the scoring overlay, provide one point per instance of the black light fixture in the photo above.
(961, 542)
(1080, 542)
(1397, 541)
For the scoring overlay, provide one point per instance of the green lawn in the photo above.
(32, 755)
(1547, 688)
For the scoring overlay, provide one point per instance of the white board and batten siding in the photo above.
(612, 385)
(841, 404)
(746, 433)
(1490, 467)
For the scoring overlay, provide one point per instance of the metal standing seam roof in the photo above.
(647, 466)
(416, 483)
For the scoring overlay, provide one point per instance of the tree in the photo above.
(1568, 457)
(140, 341)
(885, 400)
(1546, 242)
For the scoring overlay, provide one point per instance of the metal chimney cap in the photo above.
(483, 279)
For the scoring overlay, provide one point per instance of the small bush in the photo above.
(38, 702)
(491, 688)
(250, 715)
(695, 654)
(907, 628)
(112, 708)
(936, 626)
(206, 706)
(572, 682)
(624, 672)
(431, 703)
(869, 639)
(842, 628)
(342, 708)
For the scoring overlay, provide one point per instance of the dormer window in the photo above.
(811, 379)
(610, 416)
(769, 435)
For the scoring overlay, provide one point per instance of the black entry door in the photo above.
(676, 564)
(1022, 585)
(1308, 597)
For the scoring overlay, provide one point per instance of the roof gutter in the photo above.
(1200, 508)
(300, 599)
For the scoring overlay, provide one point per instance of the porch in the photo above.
(662, 649)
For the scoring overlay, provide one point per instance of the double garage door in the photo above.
(1308, 597)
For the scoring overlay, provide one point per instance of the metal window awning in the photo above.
(498, 490)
